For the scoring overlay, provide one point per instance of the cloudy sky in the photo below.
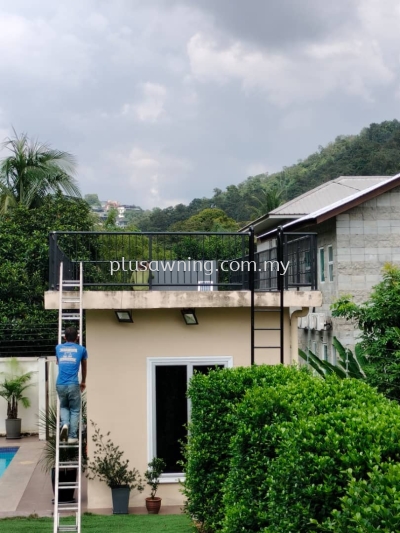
(163, 100)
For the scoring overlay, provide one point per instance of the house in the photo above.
(357, 223)
(209, 300)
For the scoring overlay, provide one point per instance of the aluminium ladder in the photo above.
(67, 314)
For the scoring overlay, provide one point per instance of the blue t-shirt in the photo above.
(69, 356)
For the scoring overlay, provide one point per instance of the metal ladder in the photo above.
(254, 309)
(59, 508)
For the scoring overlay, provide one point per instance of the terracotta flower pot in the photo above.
(153, 505)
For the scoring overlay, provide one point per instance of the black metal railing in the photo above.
(181, 261)
(297, 264)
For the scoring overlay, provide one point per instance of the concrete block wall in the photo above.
(363, 239)
(314, 340)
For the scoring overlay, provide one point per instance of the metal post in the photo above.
(251, 287)
(281, 287)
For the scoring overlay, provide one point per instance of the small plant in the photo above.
(108, 465)
(153, 473)
(13, 388)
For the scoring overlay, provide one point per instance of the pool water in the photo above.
(6, 455)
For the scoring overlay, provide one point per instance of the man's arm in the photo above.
(84, 374)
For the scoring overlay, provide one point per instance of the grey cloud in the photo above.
(76, 75)
(279, 23)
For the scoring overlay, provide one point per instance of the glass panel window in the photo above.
(169, 407)
(322, 265)
(172, 410)
(330, 263)
(325, 352)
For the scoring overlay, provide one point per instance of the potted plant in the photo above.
(48, 421)
(152, 475)
(107, 464)
(12, 389)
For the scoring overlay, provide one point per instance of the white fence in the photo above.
(37, 393)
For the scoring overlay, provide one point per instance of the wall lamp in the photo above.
(124, 316)
(189, 316)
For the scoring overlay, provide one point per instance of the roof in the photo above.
(322, 196)
(328, 193)
(335, 208)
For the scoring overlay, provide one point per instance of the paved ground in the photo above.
(26, 489)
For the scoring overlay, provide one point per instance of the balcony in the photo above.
(201, 262)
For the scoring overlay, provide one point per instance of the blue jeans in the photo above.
(70, 407)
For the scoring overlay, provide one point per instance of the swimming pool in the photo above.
(6, 455)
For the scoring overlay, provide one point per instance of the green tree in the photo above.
(93, 200)
(24, 272)
(208, 220)
(32, 171)
(378, 321)
(268, 198)
(110, 224)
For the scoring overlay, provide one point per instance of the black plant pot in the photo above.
(120, 498)
(13, 428)
(65, 475)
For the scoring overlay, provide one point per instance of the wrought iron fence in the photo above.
(180, 261)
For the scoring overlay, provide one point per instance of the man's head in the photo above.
(71, 334)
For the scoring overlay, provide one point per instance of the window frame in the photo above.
(330, 263)
(333, 355)
(322, 277)
(190, 362)
(324, 348)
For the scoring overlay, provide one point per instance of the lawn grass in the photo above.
(104, 524)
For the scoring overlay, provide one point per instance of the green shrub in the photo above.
(253, 447)
(309, 475)
(214, 400)
(370, 505)
(259, 431)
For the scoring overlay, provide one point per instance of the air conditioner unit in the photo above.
(318, 320)
(303, 322)
(312, 322)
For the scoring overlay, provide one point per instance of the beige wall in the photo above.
(117, 372)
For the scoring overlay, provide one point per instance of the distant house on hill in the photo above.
(357, 222)
(122, 210)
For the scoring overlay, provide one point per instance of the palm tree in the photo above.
(268, 199)
(33, 171)
(13, 388)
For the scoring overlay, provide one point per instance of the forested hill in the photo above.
(375, 151)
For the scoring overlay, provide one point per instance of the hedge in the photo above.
(214, 399)
(309, 475)
(259, 431)
(370, 505)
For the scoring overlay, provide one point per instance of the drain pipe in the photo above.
(294, 334)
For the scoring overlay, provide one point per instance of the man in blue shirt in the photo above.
(70, 356)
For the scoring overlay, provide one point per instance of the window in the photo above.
(322, 265)
(333, 355)
(324, 352)
(330, 263)
(314, 348)
(169, 409)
